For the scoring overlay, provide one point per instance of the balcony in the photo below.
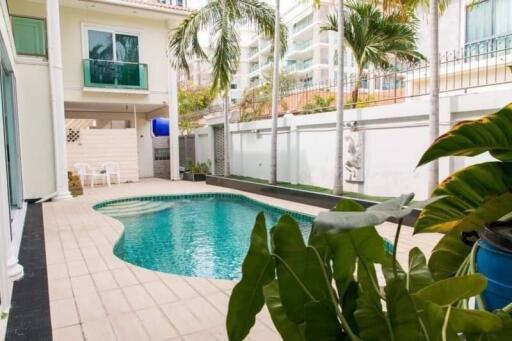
(115, 75)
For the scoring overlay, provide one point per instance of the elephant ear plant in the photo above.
(474, 196)
(328, 288)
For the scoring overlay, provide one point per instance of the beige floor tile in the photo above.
(98, 330)
(160, 292)
(63, 313)
(180, 287)
(59, 289)
(208, 316)
(124, 277)
(156, 324)
(77, 268)
(72, 255)
(138, 297)
(202, 285)
(90, 307)
(83, 285)
(128, 327)
(57, 271)
(144, 275)
(71, 333)
(96, 264)
(115, 302)
(182, 318)
(104, 281)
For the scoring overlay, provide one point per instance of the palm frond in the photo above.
(226, 55)
(262, 16)
(184, 40)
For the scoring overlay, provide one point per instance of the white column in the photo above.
(57, 99)
(174, 149)
(5, 238)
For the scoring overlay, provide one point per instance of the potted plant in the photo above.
(477, 201)
(197, 171)
(328, 288)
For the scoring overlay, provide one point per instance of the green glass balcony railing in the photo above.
(115, 75)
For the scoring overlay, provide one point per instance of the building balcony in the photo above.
(115, 75)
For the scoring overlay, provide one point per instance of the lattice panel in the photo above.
(72, 135)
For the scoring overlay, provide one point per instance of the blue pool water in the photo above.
(204, 235)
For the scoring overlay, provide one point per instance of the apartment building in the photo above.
(201, 70)
(102, 61)
(310, 57)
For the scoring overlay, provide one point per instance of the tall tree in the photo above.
(219, 18)
(340, 94)
(376, 38)
(275, 98)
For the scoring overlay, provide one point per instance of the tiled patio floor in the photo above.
(96, 296)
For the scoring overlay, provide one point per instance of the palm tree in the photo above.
(338, 170)
(219, 18)
(275, 98)
(376, 38)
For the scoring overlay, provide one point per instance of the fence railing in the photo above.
(481, 64)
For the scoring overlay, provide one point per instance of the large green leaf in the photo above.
(448, 291)
(322, 323)
(432, 318)
(447, 256)
(474, 321)
(401, 311)
(469, 138)
(419, 275)
(288, 329)
(472, 197)
(247, 297)
(342, 221)
(287, 243)
(349, 304)
(504, 333)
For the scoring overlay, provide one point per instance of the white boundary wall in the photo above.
(395, 138)
(100, 145)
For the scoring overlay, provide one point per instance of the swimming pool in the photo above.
(200, 235)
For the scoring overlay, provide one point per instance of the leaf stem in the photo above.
(395, 246)
(507, 308)
(294, 275)
(343, 321)
(472, 270)
(445, 323)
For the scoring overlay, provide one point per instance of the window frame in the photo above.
(113, 30)
(45, 35)
(493, 23)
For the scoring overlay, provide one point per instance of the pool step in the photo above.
(132, 208)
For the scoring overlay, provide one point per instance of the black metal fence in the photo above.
(480, 64)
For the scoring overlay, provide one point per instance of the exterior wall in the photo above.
(100, 145)
(152, 51)
(395, 138)
(36, 136)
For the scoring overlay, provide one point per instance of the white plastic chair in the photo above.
(85, 171)
(111, 168)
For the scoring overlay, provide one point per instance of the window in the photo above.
(29, 36)
(234, 86)
(113, 60)
(161, 154)
(488, 19)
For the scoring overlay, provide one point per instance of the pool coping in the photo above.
(323, 200)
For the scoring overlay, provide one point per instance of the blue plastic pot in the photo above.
(160, 126)
(494, 261)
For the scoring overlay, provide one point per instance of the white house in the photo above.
(102, 62)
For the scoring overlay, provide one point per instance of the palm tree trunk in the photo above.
(275, 97)
(338, 171)
(226, 134)
(434, 90)
(357, 85)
